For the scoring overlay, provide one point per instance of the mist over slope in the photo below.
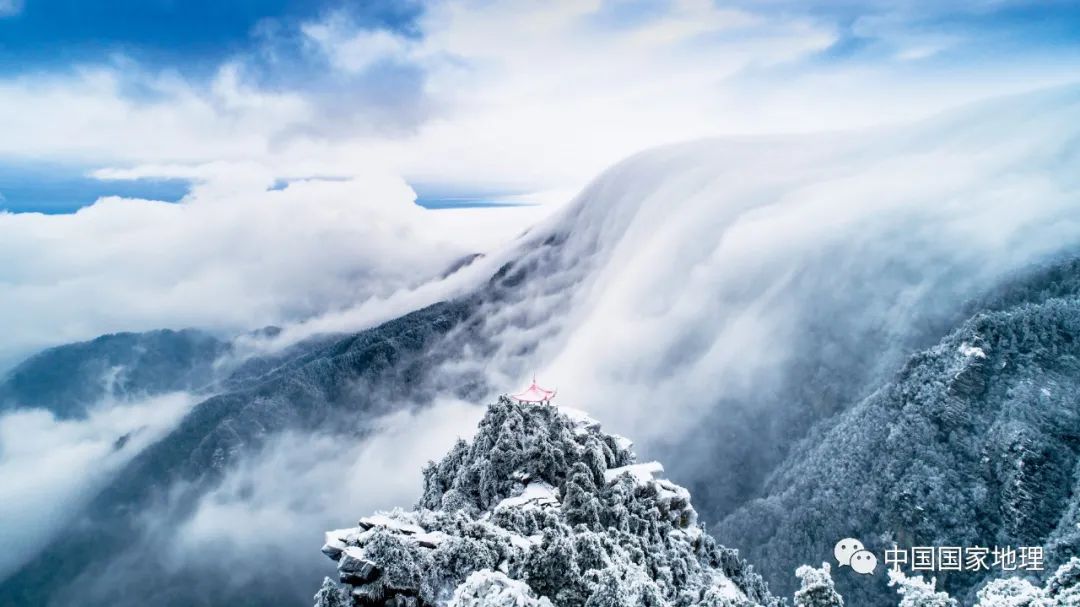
(254, 253)
(719, 297)
(714, 299)
(341, 385)
(975, 442)
(66, 379)
(52, 468)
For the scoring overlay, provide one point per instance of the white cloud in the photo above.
(905, 43)
(708, 273)
(52, 467)
(180, 122)
(273, 507)
(331, 479)
(352, 50)
(545, 96)
(533, 99)
(530, 97)
(232, 256)
(523, 96)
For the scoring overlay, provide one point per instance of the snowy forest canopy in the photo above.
(544, 509)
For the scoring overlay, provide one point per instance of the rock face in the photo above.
(541, 508)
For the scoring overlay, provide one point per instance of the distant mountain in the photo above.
(68, 379)
(358, 375)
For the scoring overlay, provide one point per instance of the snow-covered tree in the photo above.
(1064, 585)
(486, 588)
(553, 510)
(581, 504)
(1010, 592)
(817, 588)
(609, 591)
(552, 566)
(1062, 589)
(917, 592)
(973, 443)
(331, 595)
(399, 565)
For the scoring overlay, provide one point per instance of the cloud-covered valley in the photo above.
(713, 300)
(52, 468)
(740, 219)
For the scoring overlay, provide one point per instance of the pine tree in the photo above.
(1010, 592)
(609, 591)
(917, 592)
(580, 502)
(487, 588)
(331, 595)
(1066, 581)
(552, 565)
(817, 588)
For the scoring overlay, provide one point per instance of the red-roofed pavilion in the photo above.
(534, 394)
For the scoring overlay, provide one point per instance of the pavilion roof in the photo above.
(534, 394)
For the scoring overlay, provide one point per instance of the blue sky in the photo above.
(347, 83)
(56, 188)
(185, 34)
(42, 187)
(198, 34)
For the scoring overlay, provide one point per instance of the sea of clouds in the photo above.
(694, 291)
(700, 295)
(51, 468)
(702, 292)
(234, 255)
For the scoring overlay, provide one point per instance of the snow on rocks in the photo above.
(430, 540)
(641, 473)
(970, 351)
(725, 589)
(622, 442)
(580, 418)
(354, 568)
(524, 543)
(488, 588)
(537, 494)
(381, 520)
(339, 539)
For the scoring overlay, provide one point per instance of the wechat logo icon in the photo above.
(852, 553)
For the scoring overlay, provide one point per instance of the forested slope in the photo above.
(975, 442)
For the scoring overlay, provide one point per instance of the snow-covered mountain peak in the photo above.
(541, 508)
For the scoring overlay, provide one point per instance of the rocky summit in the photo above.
(541, 508)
